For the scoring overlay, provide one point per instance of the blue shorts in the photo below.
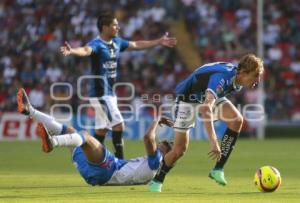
(96, 174)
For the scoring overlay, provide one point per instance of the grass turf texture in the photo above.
(28, 175)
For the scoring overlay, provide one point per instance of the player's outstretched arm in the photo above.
(206, 112)
(165, 40)
(149, 138)
(67, 50)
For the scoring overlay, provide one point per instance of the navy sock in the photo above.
(162, 172)
(100, 138)
(118, 144)
(227, 145)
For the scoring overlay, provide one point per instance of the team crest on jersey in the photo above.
(106, 164)
(222, 82)
(219, 89)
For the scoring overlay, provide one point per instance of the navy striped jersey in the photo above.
(105, 62)
(218, 78)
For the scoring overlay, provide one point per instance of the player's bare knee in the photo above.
(86, 135)
(237, 123)
(240, 120)
(180, 152)
(101, 132)
(119, 127)
(71, 130)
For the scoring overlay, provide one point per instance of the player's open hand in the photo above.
(66, 50)
(167, 41)
(165, 121)
(215, 152)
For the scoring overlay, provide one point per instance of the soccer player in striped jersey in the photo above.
(204, 92)
(93, 160)
(104, 52)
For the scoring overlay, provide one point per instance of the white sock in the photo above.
(50, 123)
(31, 110)
(67, 140)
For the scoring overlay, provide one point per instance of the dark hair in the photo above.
(168, 144)
(105, 18)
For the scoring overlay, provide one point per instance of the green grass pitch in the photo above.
(28, 175)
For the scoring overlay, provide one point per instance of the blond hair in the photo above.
(251, 63)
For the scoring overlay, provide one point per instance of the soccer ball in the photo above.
(267, 179)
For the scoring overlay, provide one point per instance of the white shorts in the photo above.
(107, 113)
(185, 114)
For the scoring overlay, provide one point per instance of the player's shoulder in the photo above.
(227, 67)
(95, 41)
(118, 39)
(215, 68)
(224, 67)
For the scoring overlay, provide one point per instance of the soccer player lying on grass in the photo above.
(94, 162)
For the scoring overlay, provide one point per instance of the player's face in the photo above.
(114, 28)
(249, 80)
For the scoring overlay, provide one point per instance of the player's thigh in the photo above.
(92, 148)
(228, 113)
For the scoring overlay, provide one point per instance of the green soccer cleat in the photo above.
(155, 186)
(218, 176)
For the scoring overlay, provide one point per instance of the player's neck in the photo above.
(236, 81)
(105, 38)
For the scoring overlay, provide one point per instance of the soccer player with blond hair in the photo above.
(204, 92)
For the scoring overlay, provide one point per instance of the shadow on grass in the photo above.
(40, 187)
(55, 195)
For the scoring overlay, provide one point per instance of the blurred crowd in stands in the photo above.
(225, 30)
(32, 32)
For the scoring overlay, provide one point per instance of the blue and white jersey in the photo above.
(114, 171)
(139, 170)
(218, 78)
(105, 62)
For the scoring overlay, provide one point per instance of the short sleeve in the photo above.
(94, 46)
(123, 44)
(154, 160)
(216, 84)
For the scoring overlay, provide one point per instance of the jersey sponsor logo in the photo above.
(112, 52)
(106, 164)
(111, 67)
(222, 82)
(183, 124)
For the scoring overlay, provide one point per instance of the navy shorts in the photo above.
(95, 174)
